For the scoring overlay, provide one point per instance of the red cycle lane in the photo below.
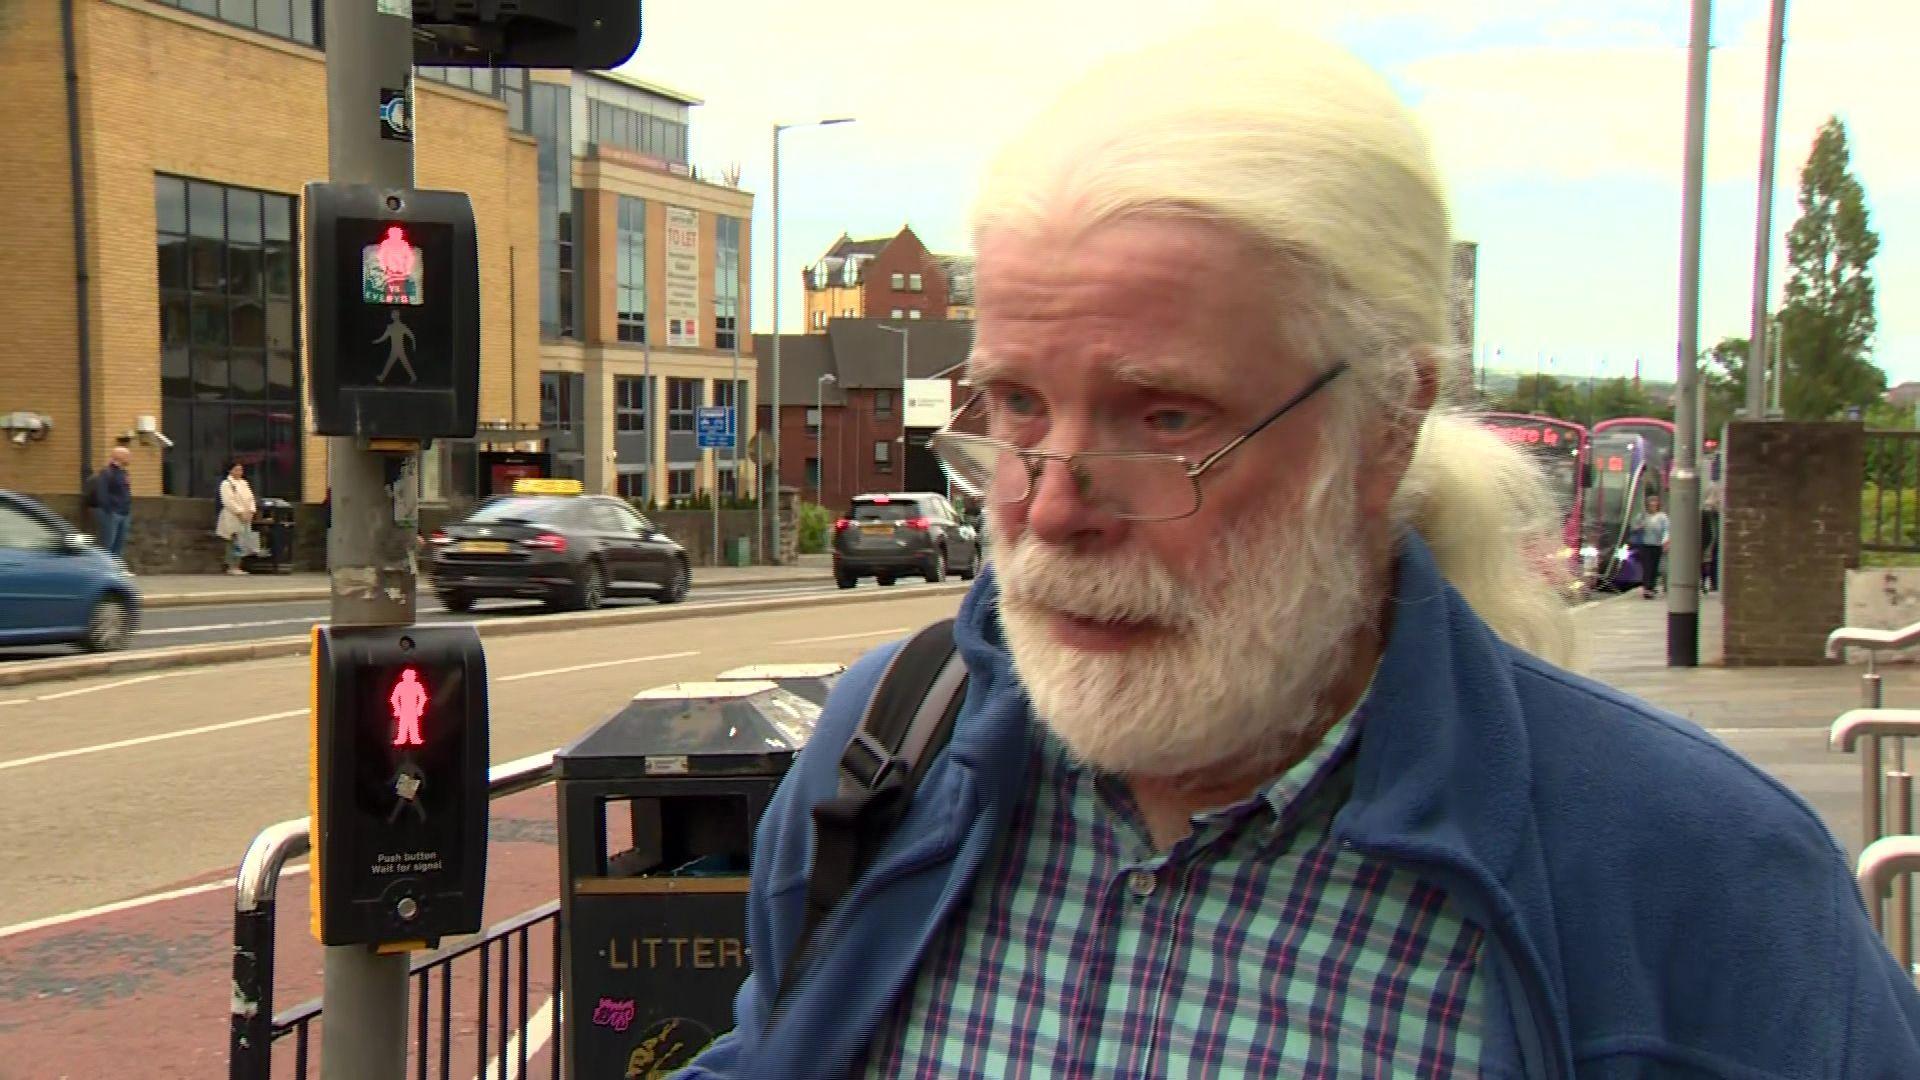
(147, 990)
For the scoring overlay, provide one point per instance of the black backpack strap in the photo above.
(907, 722)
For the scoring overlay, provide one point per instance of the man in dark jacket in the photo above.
(1265, 766)
(108, 497)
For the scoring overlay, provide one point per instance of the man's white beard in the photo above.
(1250, 649)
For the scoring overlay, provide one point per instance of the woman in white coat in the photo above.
(237, 513)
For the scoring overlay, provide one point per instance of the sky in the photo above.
(1559, 135)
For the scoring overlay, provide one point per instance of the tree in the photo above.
(1827, 324)
(1724, 370)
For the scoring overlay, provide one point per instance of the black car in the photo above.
(912, 532)
(572, 551)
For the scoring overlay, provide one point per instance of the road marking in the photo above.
(16, 701)
(843, 637)
(538, 1030)
(137, 680)
(591, 667)
(122, 744)
(127, 905)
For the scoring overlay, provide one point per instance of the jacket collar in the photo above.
(1442, 774)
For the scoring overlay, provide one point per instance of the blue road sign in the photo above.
(715, 426)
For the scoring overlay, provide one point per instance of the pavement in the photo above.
(129, 801)
(199, 590)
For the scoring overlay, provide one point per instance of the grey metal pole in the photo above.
(734, 395)
(906, 346)
(775, 473)
(370, 549)
(1683, 511)
(1763, 228)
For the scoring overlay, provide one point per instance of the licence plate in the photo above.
(876, 530)
(485, 547)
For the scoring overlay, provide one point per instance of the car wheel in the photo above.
(845, 579)
(937, 569)
(109, 625)
(884, 579)
(456, 602)
(591, 591)
(679, 584)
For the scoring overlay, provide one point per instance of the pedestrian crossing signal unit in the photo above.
(399, 796)
(580, 35)
(393, 300)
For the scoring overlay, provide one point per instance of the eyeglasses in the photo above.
(1131, 486)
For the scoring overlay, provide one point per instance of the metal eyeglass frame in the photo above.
(1035, 460)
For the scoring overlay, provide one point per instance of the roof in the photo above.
(638, 83)
(847, 245)
(862, 354)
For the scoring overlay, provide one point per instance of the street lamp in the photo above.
(906, 337)
(777, 403)
(820, 435)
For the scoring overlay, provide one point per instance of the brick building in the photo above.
(191, 130)
(892, 277)
(644, 295)
(612, 277)
(852, 443)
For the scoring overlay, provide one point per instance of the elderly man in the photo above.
(108, 496)
(1261, 771)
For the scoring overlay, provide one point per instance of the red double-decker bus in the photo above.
(1561, 448)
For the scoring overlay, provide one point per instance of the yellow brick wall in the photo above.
(168, 92)
(38, 324)
(834, 300)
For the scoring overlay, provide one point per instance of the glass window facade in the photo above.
(683, 397)
(563, 407)
(630, 129)
(726, 282)
(630, 269)
(289, 20)
(550, 120)
(229, 337)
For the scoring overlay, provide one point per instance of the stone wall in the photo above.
(1792, 532)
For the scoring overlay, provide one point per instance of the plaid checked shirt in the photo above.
(1255, 946)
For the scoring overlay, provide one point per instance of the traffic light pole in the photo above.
(1683, 511)
(370, 547)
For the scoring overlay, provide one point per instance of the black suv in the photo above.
(912, 532)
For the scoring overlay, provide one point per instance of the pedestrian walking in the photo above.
(238, 512)
(1710, 524)
(108, 499)
(1649, 543)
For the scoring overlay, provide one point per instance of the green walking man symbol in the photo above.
(398, 339)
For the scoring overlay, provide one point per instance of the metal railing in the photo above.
(511, 983)
(1886, 787)
(1890, 502)
(253, 1027)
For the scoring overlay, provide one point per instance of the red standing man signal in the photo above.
(409, 701)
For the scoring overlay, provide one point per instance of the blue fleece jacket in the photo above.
(1655, 905)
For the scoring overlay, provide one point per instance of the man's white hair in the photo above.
(1298, 145)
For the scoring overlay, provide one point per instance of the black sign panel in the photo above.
(394, 296)
(583, 35)
(401, 748)
(652, 973)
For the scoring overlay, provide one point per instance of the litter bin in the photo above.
(276, 535)
(657, 807)
(810, 681)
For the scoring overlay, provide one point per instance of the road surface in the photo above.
(169, 627)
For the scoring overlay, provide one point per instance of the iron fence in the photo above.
(1890, 492)
(502, 1028)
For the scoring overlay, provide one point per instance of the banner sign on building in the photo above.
(683, 277)
(929, 402)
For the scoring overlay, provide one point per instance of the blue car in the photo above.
(56, 586)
